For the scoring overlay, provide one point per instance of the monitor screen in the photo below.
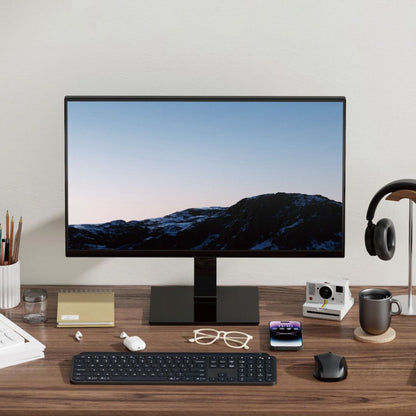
(205, 176)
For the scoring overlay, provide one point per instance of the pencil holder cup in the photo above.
(10, 286)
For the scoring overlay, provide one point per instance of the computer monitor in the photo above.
(205, 177)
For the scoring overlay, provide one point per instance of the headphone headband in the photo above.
(401, 184)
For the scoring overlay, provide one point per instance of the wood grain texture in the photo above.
(402, 193)
(381, 380)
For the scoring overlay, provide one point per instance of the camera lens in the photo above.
(325, 292)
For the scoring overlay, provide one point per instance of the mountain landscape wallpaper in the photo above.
(205, 175)
(266, 222)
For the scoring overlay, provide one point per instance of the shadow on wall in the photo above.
(42, 256)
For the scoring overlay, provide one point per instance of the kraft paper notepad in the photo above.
(76, 309)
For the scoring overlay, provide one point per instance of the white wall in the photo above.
(51, 48)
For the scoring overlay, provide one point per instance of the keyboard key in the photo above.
(8, 337)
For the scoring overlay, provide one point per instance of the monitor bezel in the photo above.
(206, 253)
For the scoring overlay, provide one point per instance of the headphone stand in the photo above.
(408, 301)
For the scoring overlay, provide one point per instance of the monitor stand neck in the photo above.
(205, 289)
(205, 302)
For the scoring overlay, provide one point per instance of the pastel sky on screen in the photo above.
(134, 160)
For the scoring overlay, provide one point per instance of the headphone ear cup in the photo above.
(369, 238)
(384, 239)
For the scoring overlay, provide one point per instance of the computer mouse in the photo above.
(330, 367)
(134, 343)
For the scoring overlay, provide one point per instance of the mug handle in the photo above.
(399, 311)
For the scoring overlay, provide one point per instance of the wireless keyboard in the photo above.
(173, 368)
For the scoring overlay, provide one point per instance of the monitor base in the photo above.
(174, 305)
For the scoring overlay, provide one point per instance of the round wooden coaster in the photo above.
(362, 336)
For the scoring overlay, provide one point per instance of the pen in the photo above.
(7, 224)
(3, 244)
(10, 257)
(0, 232)
(6, 251)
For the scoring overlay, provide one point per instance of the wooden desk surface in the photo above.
(381, 380)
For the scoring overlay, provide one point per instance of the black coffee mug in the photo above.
(376, 310)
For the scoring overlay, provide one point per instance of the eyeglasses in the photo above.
(233, 339)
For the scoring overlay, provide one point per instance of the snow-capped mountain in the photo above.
(281, 221)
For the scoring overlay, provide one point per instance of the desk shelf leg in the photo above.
(409, 302)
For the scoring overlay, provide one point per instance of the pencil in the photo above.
(7, 224)
(10, 259)
(15, 256)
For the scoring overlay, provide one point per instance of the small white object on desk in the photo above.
(78, 336)
(134, 343)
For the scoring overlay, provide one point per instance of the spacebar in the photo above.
(138, 378)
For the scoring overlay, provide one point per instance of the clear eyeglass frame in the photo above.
(233, 339)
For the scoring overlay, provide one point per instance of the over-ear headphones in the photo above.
(380, 239)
